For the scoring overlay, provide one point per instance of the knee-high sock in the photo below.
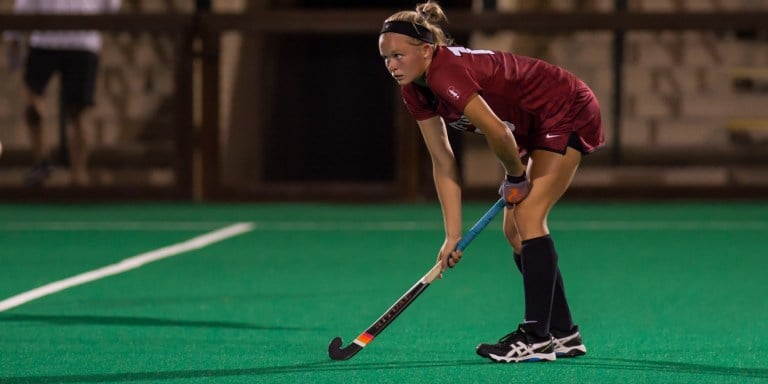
(561, 313)
(539, 261)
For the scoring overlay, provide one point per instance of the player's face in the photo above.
(405, 61)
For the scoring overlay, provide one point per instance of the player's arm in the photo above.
(499, 137)
(445, 173)
(446, 176)
(515, 187)
(14, 39)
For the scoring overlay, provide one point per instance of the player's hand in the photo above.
(452, 259)
(514, 189)
(448, 255)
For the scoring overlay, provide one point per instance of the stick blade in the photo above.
(337, 353)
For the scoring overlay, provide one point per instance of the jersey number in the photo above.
(457, 51)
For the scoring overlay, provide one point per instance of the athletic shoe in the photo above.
(569, 344)
(519, 346)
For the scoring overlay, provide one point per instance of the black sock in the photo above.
(560, 319)
(539, 262)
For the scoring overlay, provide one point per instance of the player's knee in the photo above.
(525, 213)
(32, 116)
(530, 219)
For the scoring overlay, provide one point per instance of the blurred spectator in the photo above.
(74, 56)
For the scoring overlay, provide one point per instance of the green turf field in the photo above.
(664, 293)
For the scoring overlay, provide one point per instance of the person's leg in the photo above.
(560, 318)
(551, 175)
(510, 230)
(33, 118)
(76, 144)
(78, 83)
(40, 65)
(525, 227)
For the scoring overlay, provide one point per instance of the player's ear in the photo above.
(427, 50)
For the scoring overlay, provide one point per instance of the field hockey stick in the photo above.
(336, 352)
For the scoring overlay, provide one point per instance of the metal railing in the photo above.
(198, 39)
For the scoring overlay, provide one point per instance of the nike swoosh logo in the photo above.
(551, 136)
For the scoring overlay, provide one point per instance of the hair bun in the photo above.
(431, 12)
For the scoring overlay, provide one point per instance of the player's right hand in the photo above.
(448, 255)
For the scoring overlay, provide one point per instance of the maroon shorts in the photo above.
(580, 128)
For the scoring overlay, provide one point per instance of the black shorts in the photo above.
(77, 68)
(575, 142)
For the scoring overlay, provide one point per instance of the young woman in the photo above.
(527, 109)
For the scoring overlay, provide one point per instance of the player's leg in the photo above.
(551, 174)
(511, 234)
(33, 117)
(40, 65)
(78, 83)
(560, 319)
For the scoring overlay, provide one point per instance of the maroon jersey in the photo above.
(544, 104)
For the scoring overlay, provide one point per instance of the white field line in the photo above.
(394, 226)
(127, 264)
(112, 226)
(626, 225)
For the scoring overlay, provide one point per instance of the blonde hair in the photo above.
(429, 15)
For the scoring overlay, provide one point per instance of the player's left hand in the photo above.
(514, 189)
